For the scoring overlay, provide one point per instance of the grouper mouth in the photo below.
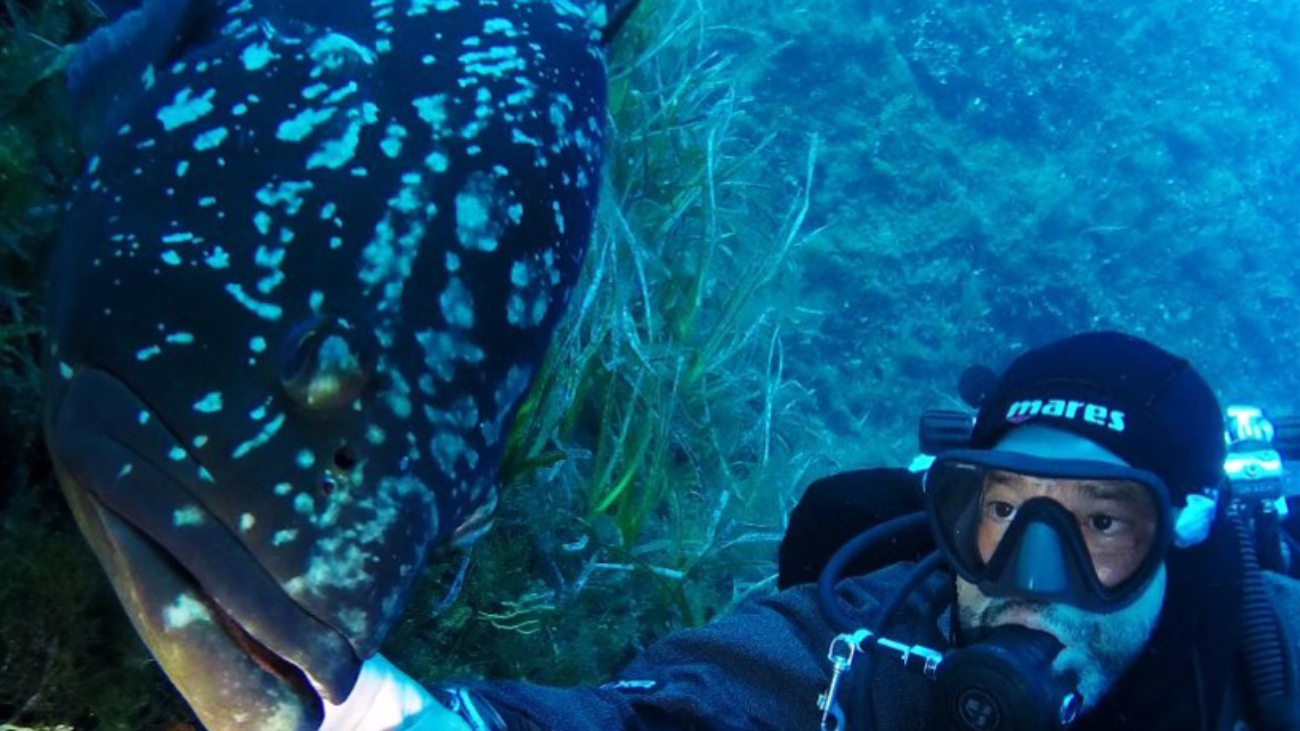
(236, 644)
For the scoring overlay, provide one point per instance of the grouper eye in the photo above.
(327, 363)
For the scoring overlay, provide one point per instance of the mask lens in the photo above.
(1101, 523)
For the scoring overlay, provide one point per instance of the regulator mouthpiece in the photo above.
(1005, 682)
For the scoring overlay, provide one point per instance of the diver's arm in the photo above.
(387, 699)
(760, 666)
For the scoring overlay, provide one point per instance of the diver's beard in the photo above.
(1098, 647)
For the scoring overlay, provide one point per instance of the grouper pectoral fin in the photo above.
(202, 603)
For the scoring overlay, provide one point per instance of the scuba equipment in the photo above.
(1012, 667)
(1002, 681)
(1022, 522)
(1259, 490)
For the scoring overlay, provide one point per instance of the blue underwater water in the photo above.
(815, 216)
(999, 174)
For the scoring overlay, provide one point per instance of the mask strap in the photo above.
(1193, 522)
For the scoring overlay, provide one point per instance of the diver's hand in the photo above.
(387, 699)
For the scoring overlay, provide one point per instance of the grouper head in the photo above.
(308, 274)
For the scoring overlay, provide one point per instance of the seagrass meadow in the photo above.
(814, 216)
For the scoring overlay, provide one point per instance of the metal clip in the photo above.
(842, 651)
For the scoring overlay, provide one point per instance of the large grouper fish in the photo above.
(314, 261)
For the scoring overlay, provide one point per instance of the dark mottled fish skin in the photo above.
(302, 289)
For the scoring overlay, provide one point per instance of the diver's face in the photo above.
(1117, 520)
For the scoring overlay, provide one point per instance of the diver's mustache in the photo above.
(998, 608)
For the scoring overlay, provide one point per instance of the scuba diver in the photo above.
(1099, 574)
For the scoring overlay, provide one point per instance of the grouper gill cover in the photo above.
(310, 270)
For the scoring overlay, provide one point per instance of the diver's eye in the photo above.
(1103, 524)
(1000, 510)
(327, 362)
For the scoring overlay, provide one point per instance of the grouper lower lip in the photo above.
(224, 630)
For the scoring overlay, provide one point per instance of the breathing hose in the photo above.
(831, 608)
(1261, 641)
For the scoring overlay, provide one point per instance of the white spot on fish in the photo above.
(476, 225)
(284, 536)
(306, 459)
(267, 432)
(218, 259)
(262, 221)
(421, 7)
(336, 153)
(302, 124)
(187, 516)
(183, 612)
(559, 216)
(264, 310)
(442, 350)
(184, 110)
(496, 62)
(209, 404)
(257, 344)
(433, 110)
(437, 162)
(392, 143)
(211, 139)
(342, 93)
(288, 193)
(246, 522)
(256, 56)
(170, 258)
(457, 304)
(176, 454)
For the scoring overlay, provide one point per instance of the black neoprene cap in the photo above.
(1148, 406)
